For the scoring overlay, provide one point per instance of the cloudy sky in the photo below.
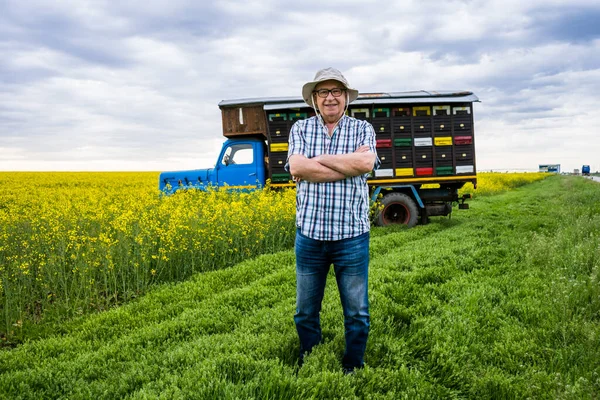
(100, 85)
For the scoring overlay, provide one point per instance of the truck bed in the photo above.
(422, 137)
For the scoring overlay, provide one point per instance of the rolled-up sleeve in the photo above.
(368, 138)
(296, 143)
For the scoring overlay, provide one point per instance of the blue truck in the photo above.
(585, 170)
(425, 141)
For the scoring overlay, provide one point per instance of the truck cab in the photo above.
(585, 170)
(241, 164)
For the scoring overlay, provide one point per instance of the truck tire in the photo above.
(398, 208)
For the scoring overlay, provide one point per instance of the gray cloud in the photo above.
(115, 86)
(577, 25)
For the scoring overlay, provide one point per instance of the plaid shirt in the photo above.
(332, 210)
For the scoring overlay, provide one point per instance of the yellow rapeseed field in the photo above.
(75, 242)
(494, 182)
(78, 241)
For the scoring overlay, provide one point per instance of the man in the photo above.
(330, 156)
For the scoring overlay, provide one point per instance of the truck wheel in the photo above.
(398, 208)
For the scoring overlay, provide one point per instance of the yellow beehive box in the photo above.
(421, 111)
(404, 172)
(443, 141)
(279, 147)
(360, 111)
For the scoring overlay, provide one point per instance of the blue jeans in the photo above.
(350, 259)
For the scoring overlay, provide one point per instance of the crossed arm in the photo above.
(332, 167)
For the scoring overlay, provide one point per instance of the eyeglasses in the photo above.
(323, 93)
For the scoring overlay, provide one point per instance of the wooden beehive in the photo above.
(244, 121)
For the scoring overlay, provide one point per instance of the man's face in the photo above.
(331, 107)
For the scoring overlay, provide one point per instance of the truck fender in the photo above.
(401, 189)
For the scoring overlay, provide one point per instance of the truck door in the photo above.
(239, 165)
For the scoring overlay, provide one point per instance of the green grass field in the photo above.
(502, 301)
